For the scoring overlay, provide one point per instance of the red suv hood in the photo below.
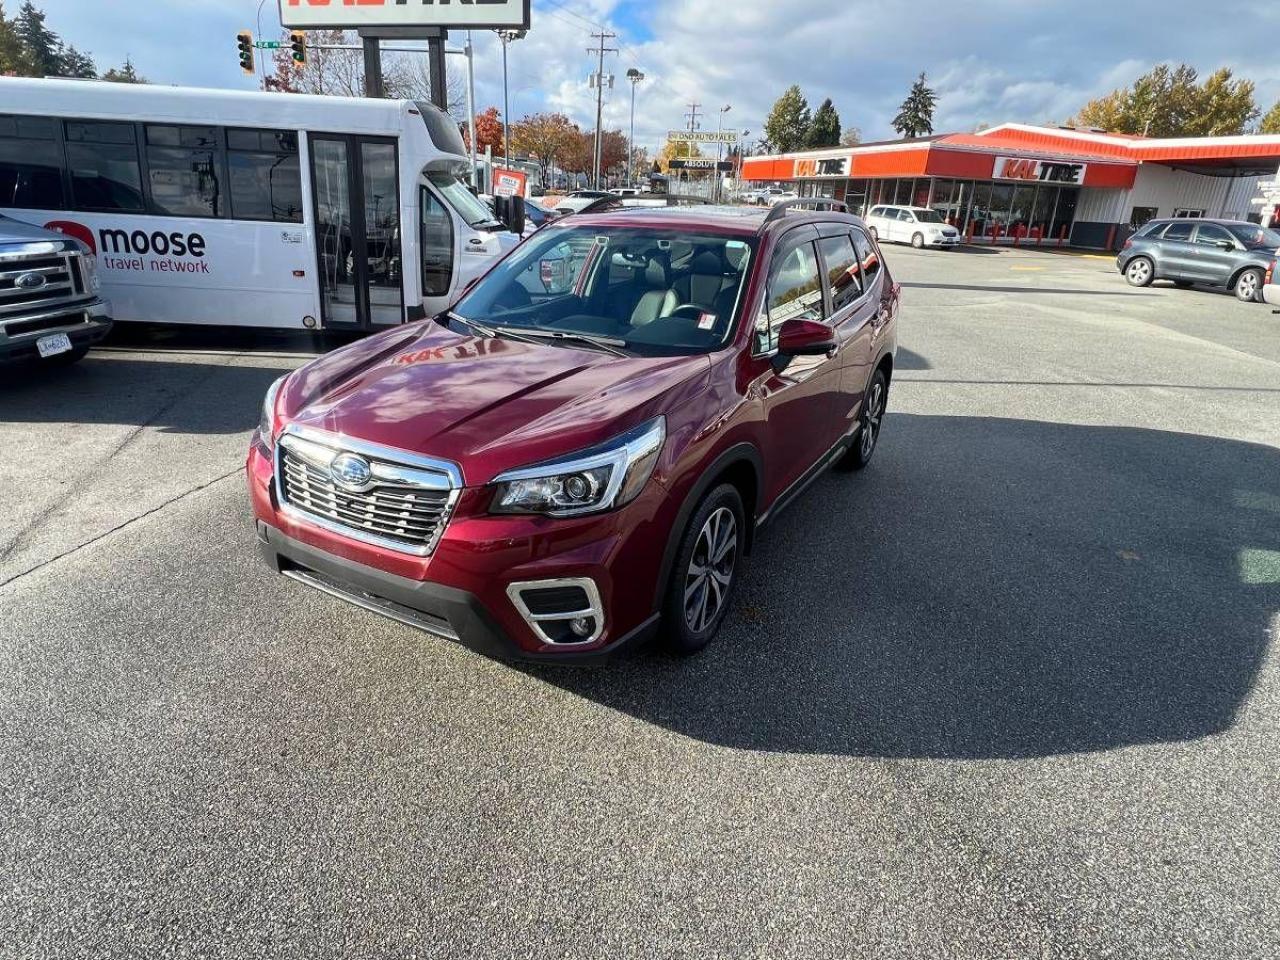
(487, 405)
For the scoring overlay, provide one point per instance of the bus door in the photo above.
(355, 180)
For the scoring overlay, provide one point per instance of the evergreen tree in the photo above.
(77, 64)
(13, 55)
(824, 131)
(42, 46)
(915, 116)
(126, 74)
(788, 125)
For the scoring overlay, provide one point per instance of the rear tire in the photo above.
(867, 437)
(705, 572)
(1249, 286)
(917, 240)
(1140, 271)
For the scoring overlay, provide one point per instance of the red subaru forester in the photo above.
(582, 450)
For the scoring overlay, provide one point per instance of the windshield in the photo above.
(466, 204)
(654, 292)
(1255, 237)
(928, 216)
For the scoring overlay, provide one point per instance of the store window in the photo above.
(1064, 214)
(1141, 216)
(105, 172)
(980, 210)
(30, 163)
(1041, 218)
(903, 191)
(920, 194)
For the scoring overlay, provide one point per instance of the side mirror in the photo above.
(510, 213)
(804, 338)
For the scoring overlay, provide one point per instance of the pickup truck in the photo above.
(50, 308)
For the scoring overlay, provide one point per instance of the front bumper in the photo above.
(943, 241)
(84, 323)
(460, 592)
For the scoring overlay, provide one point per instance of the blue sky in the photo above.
(991, 60)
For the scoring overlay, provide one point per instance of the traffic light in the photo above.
(298, 45)
(244, 43)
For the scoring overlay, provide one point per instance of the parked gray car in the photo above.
(1224, 253)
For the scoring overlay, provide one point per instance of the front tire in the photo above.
(1140, 271)
(705, 571)
(1249, 286)
(870, 419)
(917, 240)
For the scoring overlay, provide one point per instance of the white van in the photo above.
(918, 226)
(250, 209)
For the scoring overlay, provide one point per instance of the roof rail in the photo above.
(613, 202)
(779, 210)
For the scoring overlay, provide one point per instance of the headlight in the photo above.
(89, 263)
(592, 481)
(267, 419)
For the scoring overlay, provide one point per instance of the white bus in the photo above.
(250, 209)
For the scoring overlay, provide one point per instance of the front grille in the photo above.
(399, 512)
(60, 273)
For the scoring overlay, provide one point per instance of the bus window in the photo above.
(185, 171)
(437, 245)
(105, 173)
(265, 180)
(30, 163)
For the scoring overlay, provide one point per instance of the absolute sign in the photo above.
(1040, 171)
(353, 14)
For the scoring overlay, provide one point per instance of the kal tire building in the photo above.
(1040, 185)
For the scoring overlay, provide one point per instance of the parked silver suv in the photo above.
(50, 310)
(1225, 253)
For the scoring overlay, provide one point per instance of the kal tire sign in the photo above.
(1039, 171)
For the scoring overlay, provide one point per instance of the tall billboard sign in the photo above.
(371, 14)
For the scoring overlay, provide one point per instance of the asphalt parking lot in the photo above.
(1009, 693)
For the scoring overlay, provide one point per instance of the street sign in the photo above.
(346, 15)
(703, 136)
(268, 44)
(697, 163)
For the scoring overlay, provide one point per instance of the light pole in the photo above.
(506, 36)
(635, 76)
(720, 147)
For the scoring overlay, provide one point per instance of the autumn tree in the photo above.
(613, 150)
(787, 127)
(824, 130)
(851, 137)
(1171, 102)
(1271, 122)
(915, 116)
(489, 132)
(676, 149)
(549, 138)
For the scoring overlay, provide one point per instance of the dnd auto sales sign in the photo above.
(353, 14)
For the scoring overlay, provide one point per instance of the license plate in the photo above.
(53, 344)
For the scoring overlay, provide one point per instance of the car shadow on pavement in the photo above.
(170, 395)
(906, 359)
(989, 588)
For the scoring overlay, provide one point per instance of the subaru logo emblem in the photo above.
(350, 471)
(29, 281)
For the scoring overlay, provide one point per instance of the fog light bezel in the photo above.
(539, 622)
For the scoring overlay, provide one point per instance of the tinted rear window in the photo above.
(1178, 231)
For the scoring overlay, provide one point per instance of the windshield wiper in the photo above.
(487, 332)
(607, 344)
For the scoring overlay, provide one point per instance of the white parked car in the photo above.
(782, 196)
(918, 226)
(1271, 286)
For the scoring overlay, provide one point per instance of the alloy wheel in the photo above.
(872, 411)
(1247, 288)
(1139, 271)
(710, 573)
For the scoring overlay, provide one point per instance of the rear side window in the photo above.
(30, 163)
(795, 290)
(184, 167)
(1178, 231)
(843, 271)
(905, 216)
(868, 258)
(1211, 235)
(876, 212)
(105, 172)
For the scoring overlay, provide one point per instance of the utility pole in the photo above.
(506, 36)
(601, 50)
(692, 117)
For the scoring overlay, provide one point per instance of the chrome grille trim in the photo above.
(60, 270)
(404, 507)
